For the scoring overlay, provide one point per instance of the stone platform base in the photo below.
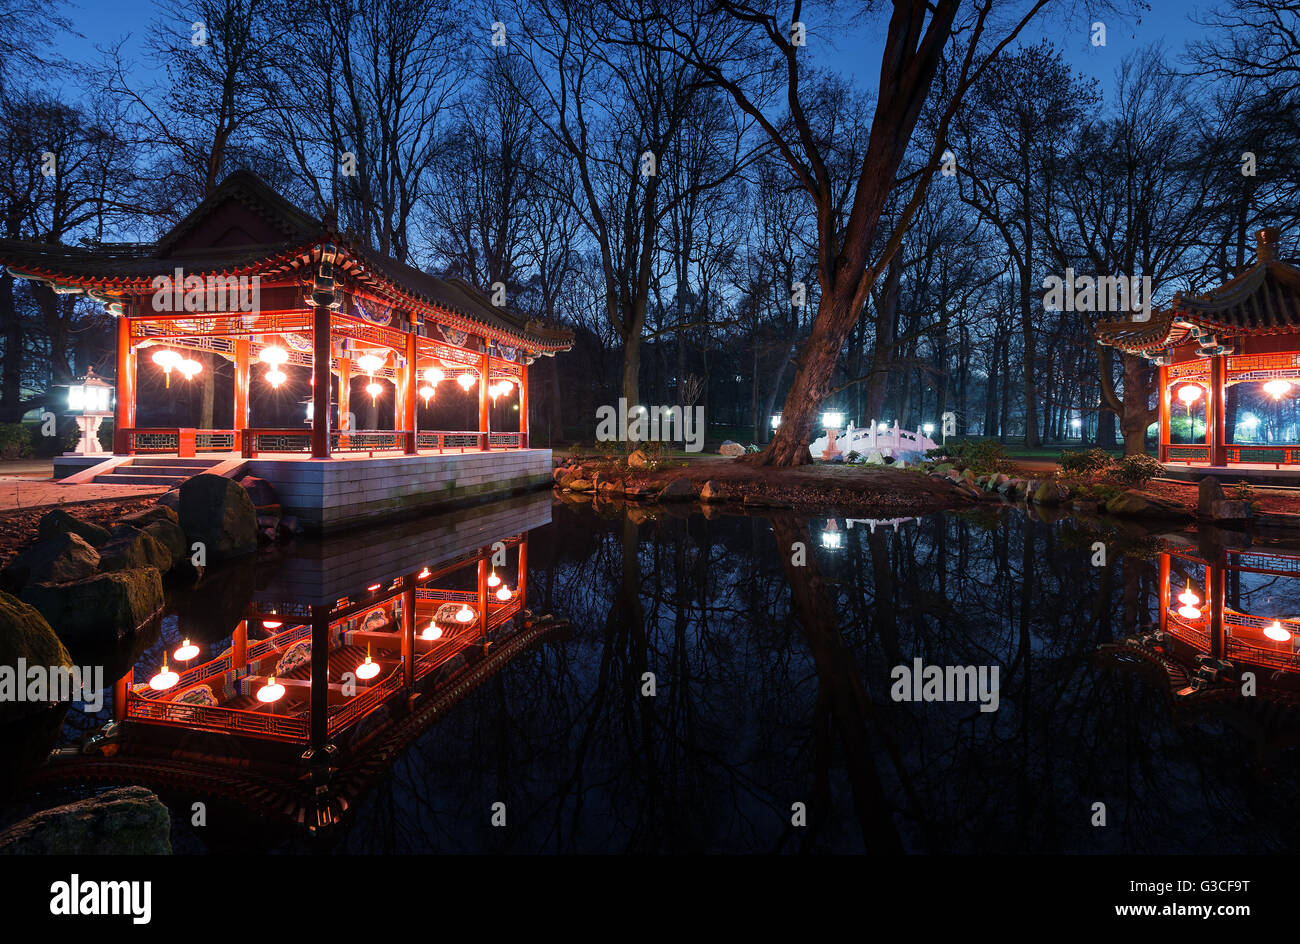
(334, 495)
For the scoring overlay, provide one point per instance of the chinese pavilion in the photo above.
(250, 278)
(1229, 367)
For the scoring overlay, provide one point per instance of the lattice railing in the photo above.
(367, 440)
(212, 718)
(1187, 453)
(1274, 455)
(1247, 652)
(364, 703)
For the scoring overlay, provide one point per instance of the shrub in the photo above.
(1136, 471)
(15, 441)
(1089, 462)
(981, 455)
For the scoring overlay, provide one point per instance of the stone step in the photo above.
(114, 479)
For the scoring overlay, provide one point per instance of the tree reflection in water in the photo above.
(773, 688)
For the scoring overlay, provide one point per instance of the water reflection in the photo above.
(726, 686)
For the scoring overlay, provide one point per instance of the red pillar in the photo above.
(483, 593)
(1217, 414)
(1217, 572)
(239, 646)
(320, 670)
(484, 419)
(408, 633)
(1162, 439)
(345, 397)
(411, 379)
(242, 380)
(124, 412)
(121, 691)
(522, 572)
(320, 372)
(1164, 593)
(523, 407)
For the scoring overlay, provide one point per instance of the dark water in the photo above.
(773, 688)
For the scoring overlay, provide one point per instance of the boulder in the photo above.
(60, 522)
(1208, 493)
(943, 467)
(171, 499)
(260, 491)
(98, 609)
(169, 534)
(580, 485)
(1225, 510)
(134, 549)
(679, 489)
(729, 448)
(638, 460)
(712, 492)
(121, 821)
(1140, 505)
(1050, 493)
(764, 501)
(65, 556)
(218, 513)
(25, 634)
(997, 479)
(1085, 506)
(142, 519)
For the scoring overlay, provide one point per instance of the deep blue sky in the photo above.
(103, 21)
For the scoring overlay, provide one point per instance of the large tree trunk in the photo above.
(11, 378)
(1136, 416)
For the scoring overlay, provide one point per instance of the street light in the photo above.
(776, 420)
(832, 421)
(89, 402)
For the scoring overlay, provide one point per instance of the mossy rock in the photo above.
(122, 821)
(169, 535)
(99, 609)
(142, 519)
(63, 557)
(25, 634)
(58, 522)
(219, 514)
(133, 549)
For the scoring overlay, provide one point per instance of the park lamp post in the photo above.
(1076, 424)
(832, 420)
(89, 402)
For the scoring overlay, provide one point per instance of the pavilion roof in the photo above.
(113, 271)
(1263, 299)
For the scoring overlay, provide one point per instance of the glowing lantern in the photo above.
(275, 378)
(424, 572)
(426, 391)
(273, 356)
(272, 624)
(272, 691)
(1189, 394)
(493, 579)
(164, 679)
(464, 614)
(466, 381)
(503, 594)
(494, 391)
(1277, 388)
(1275, 632)
(186, 652)
(189, 368)
(167, 359)
(434, 374)
(374, 390)
(506, 386)
(370, 363)
(432, 631)
(374, 586)
(367, 669)
(1188, 598)
(1187, 611)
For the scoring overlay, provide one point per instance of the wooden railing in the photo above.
(185, 442)
(1278, 455)
(211, 718)
(442, 441)
(1196, 452)
(258, 441)
(361, 705)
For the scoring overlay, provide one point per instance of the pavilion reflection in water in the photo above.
(350, 650)
(1222, 612)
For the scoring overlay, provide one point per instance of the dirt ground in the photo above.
(18, 527)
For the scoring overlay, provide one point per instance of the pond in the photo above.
(728, 683)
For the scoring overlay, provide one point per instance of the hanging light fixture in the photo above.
(493, 579)
(275, 377)
(1189, 612)
(273, 356)
(190, 368)
(167, 359)
(426, 391)
(424, 572)
(272, 624)
(506, 386)
(272, 691)
(164, 679)
(374, 389)
(186, 652)
(466, 380)
(432, 631)
(1277, 388)
(370, 363)
(434, 374)
(368, 669)
(464, 614)
(503, 594)
(1189, 393)
(1188, 598)
(1275, 632)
